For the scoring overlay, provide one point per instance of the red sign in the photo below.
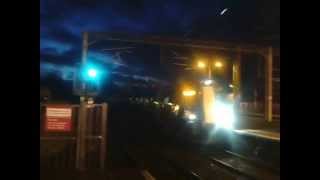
(58, 118)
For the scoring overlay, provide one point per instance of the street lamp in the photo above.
(208, 64)
(218, 64)
(209, 91)
(201, 64)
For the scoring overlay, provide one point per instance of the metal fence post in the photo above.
(268, 84)
(104, 120)
(81, 136)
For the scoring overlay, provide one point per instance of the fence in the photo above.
(59, 149)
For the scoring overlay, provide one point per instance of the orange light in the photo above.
(201, 64)
(188, 93)
(218, 64)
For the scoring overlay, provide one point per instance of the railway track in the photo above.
(175, 165)
(244, 166)
(258, 162)
(181, 162)
(154, 166)
(166, 156)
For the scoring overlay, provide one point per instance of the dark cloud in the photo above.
(64, 71)
(62, 21)
(54, 47)
(122, 78)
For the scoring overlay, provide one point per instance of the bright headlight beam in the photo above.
(224, 115)
(192, 116)
(208, 82)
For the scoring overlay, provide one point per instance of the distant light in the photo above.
(208, 82)
(92, 73)
(223, 11)
(189, 93)
(231, 86)
(218, 64)
(90, 101)
(201, 64)
(176, 108)
(170, 104)
(155, 102)
(192, 116)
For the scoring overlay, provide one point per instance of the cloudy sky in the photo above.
(62, 21)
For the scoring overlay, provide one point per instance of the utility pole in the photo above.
(236, 74)
(81, 137)
(209, 69)
(268, 84)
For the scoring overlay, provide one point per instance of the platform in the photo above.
(265, 134)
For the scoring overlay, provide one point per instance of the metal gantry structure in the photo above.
(267, 52)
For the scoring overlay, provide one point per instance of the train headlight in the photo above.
(176, 108)
(224, 115)
(192, 116)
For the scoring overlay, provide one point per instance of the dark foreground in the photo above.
(146, 142)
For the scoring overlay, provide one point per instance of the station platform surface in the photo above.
(259, 127)
(261, 133)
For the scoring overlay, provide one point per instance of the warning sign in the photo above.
(58, 118)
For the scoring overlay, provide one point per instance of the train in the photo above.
(210, 104)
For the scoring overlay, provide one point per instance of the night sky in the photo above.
(62, 21)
